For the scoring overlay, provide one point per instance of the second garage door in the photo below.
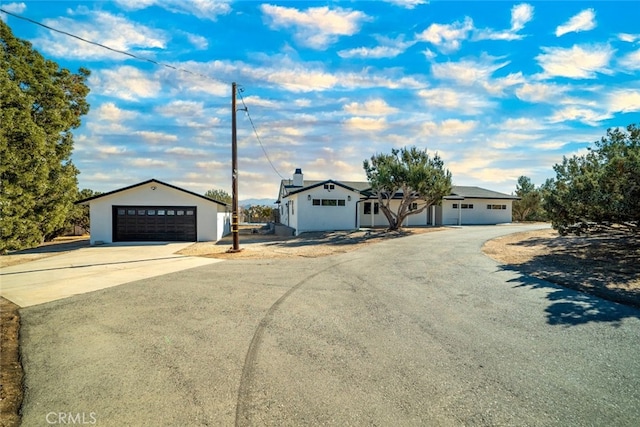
(154, 223)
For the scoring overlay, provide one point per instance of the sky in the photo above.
(497, 89)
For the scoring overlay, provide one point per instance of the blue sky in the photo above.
(498, 89)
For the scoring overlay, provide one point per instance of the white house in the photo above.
(156, 211)
(346, 205)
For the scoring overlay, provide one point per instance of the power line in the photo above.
(255, 131)
(122, 52)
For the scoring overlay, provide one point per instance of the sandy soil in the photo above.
(606, 265)
(308, 245)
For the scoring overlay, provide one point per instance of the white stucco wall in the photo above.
(479, 214)
(310, 217)
(100, 210)
(379, 220)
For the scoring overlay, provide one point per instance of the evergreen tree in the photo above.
(599, 190)
(219, 195)
(411, 177)
(529, 207)
(40, 104)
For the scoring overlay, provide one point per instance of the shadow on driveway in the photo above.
(570, 307)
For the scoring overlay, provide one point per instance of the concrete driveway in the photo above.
(88, 269)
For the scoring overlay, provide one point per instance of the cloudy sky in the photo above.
(499, 89)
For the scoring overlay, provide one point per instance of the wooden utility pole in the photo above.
(234, 173)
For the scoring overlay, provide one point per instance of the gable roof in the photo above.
(289, 188)
(364, 187)
(477, 193)
(152, 180)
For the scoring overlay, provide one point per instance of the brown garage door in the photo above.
(154, 223)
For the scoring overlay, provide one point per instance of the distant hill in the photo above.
(257, 202)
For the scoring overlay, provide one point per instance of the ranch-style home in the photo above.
(155, 211)
(346, 205)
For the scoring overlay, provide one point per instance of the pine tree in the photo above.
(40, 103)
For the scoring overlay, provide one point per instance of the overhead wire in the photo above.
(152, 61)
(255, 131)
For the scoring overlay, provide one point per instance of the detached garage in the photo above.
(156, 211)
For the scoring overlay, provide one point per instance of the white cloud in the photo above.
(148, 163)
(185, 151)
(181, 109)
(13, 8)
(452, 99)
(110, 112)
(583, 115)
(520, 15)
(449, 127)
(624, 100)
(631, 61)
(125, 83)
(110, 30)
(523, 124)
(583, 21)
(629, 38)
(156, 137)
(447, 37)
(315, 27)
(577, 62)
(373, 107)
(540, 92)
(408, 4)
(388, 48)
(199, 42)
(366, 123)
(467, 72)
(203, 9)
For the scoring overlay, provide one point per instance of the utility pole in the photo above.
(234, 173)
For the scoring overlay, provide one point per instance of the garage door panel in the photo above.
(154, 223)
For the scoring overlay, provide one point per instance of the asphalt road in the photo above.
(423, 330)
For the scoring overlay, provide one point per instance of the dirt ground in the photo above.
(10, 366)
(607, 266)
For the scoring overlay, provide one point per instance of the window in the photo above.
(141, 211)
(292, 209)
(455, 206)
(189, 212)
(367, 208)
(151, 212)
(171, 212)
(329, 186)
(131, 212)
(329, 202)
(504, 207)
(413, 206)
(121, 211)
(160, 211)
(467, 206)
(180, 212)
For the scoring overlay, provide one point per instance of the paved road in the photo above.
(422, 330)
